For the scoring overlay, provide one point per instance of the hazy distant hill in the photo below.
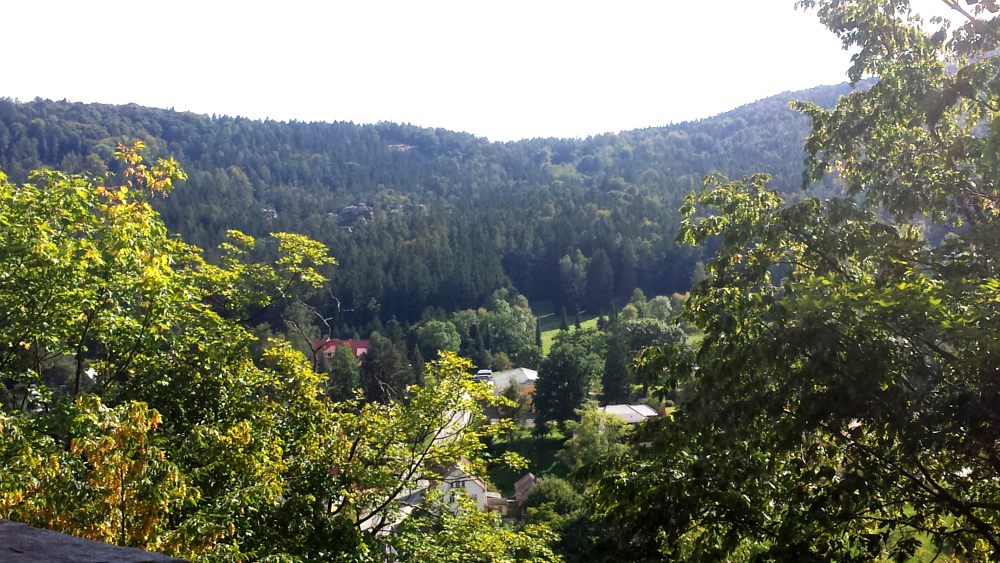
(449, 217)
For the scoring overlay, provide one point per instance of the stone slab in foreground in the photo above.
(21, 543)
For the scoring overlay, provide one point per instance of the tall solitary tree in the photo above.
(417, 364)
(615, 380)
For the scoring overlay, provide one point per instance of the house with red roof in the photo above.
(325, 349)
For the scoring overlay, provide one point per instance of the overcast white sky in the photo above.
(501, 69)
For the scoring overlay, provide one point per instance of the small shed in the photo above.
(633, 414)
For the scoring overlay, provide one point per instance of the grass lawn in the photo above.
(549, 319)
(693, 340)
(540, 452)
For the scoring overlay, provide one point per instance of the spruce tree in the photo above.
(615, 379)
(482, 358)
(564, 324)
(600, 279)
(576, 322)
(538, 333)
(385, 370)
(394, 330)
(487, 334)
(478, 352)
(417, 364)
(627, 278)
(469, 342)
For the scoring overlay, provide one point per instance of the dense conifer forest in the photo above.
(448, 218)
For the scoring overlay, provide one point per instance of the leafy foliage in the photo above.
(567, 374)
(596, 435)
(842, 404)
(464, 534)
(344, 379)
(137, 410)
(554, 502)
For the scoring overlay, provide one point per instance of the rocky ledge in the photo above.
(21, 543)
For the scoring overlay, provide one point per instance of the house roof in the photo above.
(457, 475)
(522, 376)
(523, 486)
(633, 414)
(321, 346)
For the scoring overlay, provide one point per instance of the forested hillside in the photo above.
(448, 217)
(828, 390)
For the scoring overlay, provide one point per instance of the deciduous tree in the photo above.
(843, 402)
(170, 433)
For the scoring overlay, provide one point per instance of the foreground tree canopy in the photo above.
(844, 404)
(138, 409)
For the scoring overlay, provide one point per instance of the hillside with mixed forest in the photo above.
(420, 217)
(685, 367)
